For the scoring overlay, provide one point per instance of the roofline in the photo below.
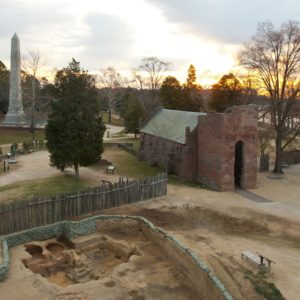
(159, 108)
(184, 144)
(143, 123)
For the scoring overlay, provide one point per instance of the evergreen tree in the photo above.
(134, 112)
(193, 100)
(4, 88)
(227, 92)
(191, 78)
(171, 93)
(74, 132)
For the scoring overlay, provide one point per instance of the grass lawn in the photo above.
(128, 165)
(18, 136)
(29, 189)
(114, 120)
(134, 166)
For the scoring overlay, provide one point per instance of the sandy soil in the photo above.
(147, 274)
(36, 165)
(31, 166)
(219, 226)
(220, 237)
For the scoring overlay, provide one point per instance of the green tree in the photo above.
(74, 132)
(273, 56)
(171, 93)
(191, 81)
(227, 92)
(4, 88)
(187, 97)
(134, 112)
(192, 97)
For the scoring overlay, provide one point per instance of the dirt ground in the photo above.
(219, 226)
(129, 267)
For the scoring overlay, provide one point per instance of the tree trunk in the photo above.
(278, 162)
(32, 123)
(76, 168)
(109, 116)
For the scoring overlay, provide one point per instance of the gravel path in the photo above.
(31, 166)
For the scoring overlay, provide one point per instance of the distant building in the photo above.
(218, 149)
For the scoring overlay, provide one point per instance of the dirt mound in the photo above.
(185, 218)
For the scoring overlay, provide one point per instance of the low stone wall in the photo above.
(203, 279)
(5, 260)
(291, 157)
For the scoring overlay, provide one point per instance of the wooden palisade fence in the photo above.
(21, 215)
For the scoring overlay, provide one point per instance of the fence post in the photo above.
(23, 215)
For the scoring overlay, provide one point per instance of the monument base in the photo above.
(15, 119)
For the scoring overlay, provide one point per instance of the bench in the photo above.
(110, 169)
(251, 257)
(257, 260)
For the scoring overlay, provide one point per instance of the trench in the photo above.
(117, 255)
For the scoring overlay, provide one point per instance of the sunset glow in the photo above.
(120, 33)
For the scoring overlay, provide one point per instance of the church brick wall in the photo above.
(208, 155)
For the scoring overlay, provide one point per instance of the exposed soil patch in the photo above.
(193, 217)
(118, 255)
(42, 262)
(56, 249)
(96, 259)
(34, 250)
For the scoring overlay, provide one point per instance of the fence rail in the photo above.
(31, 213)
(124, 146)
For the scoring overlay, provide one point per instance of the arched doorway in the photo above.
(238, 164)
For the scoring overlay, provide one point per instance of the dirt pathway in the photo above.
(30, 166)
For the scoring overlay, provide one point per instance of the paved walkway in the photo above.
(252, 196)
(35, 165)
(111, 129)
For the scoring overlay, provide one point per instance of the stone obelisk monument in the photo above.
(15, 114)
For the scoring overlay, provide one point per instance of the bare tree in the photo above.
(155, 69)
(111, 81)
(273, 56)
(148, 78)
(138, 79)
(265, 136)
(32, 65)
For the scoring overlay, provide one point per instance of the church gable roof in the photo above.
(171, 124)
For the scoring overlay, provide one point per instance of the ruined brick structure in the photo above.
(218, 149)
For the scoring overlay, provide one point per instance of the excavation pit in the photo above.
(118, 257)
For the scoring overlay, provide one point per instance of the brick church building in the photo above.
(217, 149)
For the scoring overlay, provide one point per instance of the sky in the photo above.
(119, 33)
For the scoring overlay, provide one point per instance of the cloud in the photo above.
(229, 21)
(40, 27)
(101, 33)
(61, 30)
(108, 42)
